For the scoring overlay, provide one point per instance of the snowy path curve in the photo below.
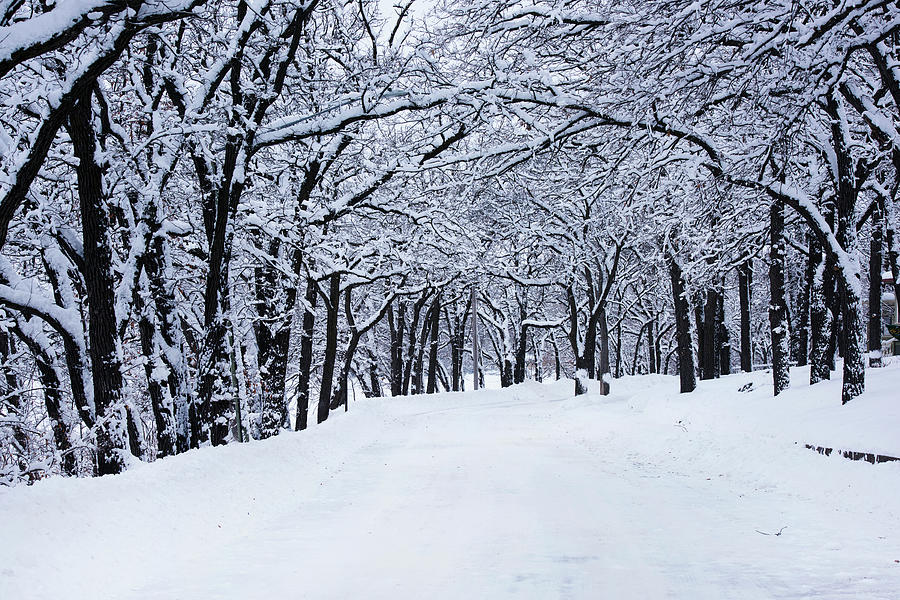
(524, 493)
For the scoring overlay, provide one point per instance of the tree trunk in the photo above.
(411, 349)
(604, 374)
(778, 319)
(557, 363)
(331, 340)
(724, 337)
(745, 281)
(849, 284)
(173, 397)
(619, 349)
(418, 381)
(433, 350)
(157, 387)
(709, 367)
(306, 354)
(275, 306)
(476, 343)
(581, 367)
(397, 331)
(538, 359)
(682, 328)
(698, 325)
(521, 355)
(106, 367)
(820, 319)
(892, 240)
(876, 262)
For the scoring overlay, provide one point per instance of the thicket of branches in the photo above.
(221, 219)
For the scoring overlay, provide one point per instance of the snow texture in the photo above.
(526, 492)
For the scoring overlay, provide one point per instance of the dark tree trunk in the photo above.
(698, 325)
(745, 281)
(893, 246)
(374, 378)
(275, 306)
(306, 354)
(778, 319)
(476, 343)
(603, 326)
(457, 327)
(557, 364)
(590, 344)
(682, 328)
(709, 367)
(876, 262)
(413, 336)
(434, 344)
(538, 360)
(170, 397)
(331, 340)
(106, 367)
(852, 320)
(619, 349)
(635, 370)
(341, 391)
(724, 338)
(820, 319)
(160, 397)
(506, 372)
(831, 303)
(135, 439)
(457, 347)
(418, 382)
(521, 354)
(216, 395)
(397, 332)
(581, 367)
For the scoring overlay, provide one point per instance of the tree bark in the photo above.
(709, 367)
(604, 373)
(724, 338)
(397, 331)
(331, 340)
(778, 319)
(876, 262)
(682, 328)
(476, 343)
(431, 387)
(106, 367)
(745, 281)
(306, 354)
(820, 319)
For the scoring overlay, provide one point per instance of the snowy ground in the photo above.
(525, 493)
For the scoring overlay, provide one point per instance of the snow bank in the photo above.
(526, 492)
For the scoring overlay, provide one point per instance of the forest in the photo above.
(221, 220)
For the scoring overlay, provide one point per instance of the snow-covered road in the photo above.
(524, 493)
